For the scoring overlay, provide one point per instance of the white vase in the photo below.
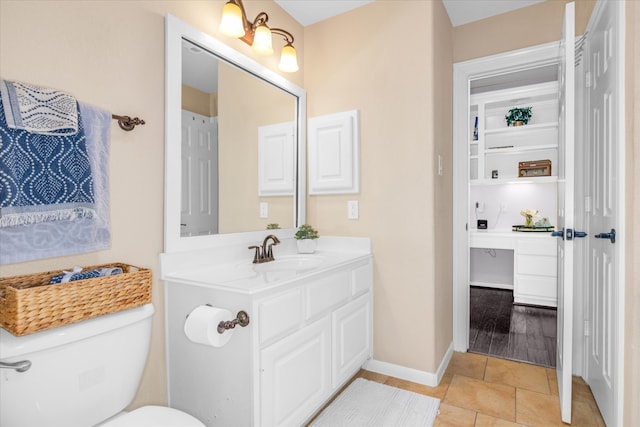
(307, 246)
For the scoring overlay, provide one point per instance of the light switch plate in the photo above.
(264, 210)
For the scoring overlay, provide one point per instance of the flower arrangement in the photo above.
(518, 116)
(528, 215)
(306, 231)
(273, 226)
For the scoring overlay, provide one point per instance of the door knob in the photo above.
(569, 234)
(611, 235)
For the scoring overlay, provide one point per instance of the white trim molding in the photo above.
(409, 374)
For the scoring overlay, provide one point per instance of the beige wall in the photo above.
(111, 54)
(443, 203)
(199, 102)
(391, 79)
(529, 26)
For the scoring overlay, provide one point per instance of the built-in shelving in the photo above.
(496, 149)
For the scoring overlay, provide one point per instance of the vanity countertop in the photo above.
(242, 276)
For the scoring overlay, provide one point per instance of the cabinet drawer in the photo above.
(538, 247)
(362, 279)
(537, 290)
(327, 292)
(279, 314)
(536, 265)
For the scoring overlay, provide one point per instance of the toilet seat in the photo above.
(154, 416)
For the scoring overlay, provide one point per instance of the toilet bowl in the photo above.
(82, 374)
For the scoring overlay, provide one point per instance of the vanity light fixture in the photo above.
(234, 23)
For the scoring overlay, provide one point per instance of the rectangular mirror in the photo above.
(235, 142)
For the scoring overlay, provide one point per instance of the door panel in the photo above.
(566, 184)
(199, 198)
(604, 102)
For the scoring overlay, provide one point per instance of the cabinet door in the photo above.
(352, 337)
(295, 375)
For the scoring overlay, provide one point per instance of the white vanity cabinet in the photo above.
(327, 339)
(308, 334)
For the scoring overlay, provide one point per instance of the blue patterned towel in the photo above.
(78, 274)
(43, 177)
(38, 109)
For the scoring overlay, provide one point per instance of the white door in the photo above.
(566, 77)
(603, 286)
(199, 193)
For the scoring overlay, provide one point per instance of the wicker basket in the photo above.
(29, 304)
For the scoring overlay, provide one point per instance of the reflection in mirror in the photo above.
(237, 148)
(234, 143)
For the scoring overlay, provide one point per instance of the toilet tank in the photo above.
(80, 375)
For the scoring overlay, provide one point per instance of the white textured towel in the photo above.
(368, 403)
(39, 109)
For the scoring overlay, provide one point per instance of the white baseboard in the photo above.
(409, 374)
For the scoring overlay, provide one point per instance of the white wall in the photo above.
(515, 198)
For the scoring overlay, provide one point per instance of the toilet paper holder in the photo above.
(242, 319)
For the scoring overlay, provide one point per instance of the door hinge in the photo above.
(587, 79)
(587, 328)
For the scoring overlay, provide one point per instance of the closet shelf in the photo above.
(519, 129)
(490, 151)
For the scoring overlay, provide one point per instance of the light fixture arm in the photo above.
(288, 37)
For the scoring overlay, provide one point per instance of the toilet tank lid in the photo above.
(12, 346)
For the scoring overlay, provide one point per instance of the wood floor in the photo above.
(484, 391)
(499, 328)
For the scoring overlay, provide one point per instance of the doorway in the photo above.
(542, 55)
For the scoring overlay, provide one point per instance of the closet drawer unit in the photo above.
(537, 290)
(279, 314)
(537, 246)
(327, 292)
(536, 265)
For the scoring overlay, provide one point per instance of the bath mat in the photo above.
(368, 403)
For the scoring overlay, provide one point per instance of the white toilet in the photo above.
(83, 374)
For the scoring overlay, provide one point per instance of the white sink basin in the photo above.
(290, 263)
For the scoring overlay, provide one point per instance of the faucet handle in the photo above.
(256, 256)
(269, 254)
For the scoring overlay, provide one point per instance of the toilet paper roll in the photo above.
(201, 326)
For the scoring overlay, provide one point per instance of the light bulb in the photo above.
(262, 43)
(232, 23)
(288, 59)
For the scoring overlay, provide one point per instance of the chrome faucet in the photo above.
(264, 253)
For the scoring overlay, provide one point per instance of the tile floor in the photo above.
(484, 391)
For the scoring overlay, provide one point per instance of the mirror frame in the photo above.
(175, 31)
